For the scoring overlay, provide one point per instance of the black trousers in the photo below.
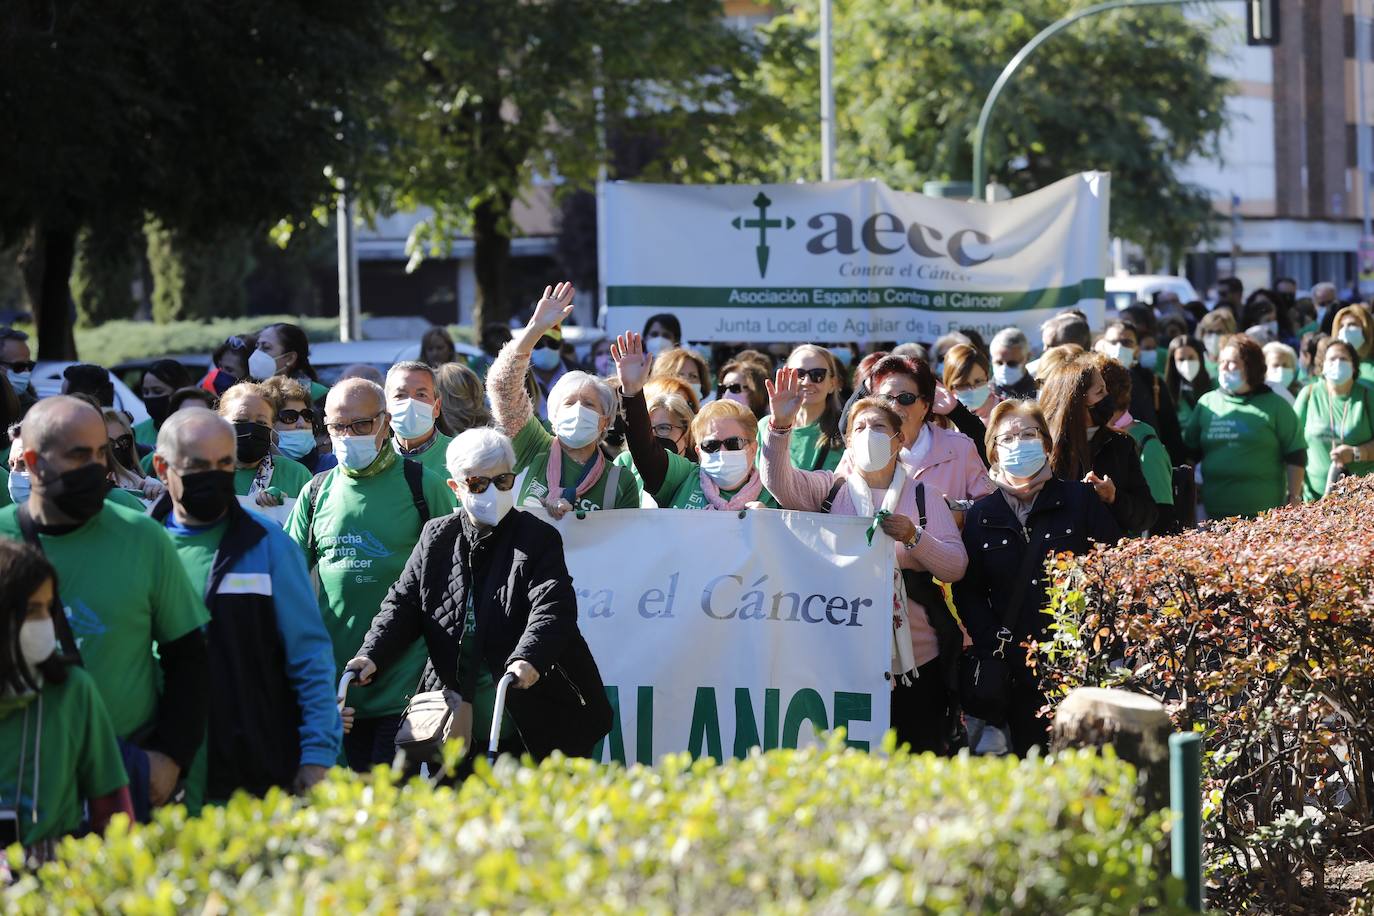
(371, 741)
(920, 711)
(1027, 729)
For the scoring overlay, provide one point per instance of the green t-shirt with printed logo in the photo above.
(1154, 461)
(682, 488)
(532, 449)
(77, 758)
(365, 528)
(123, 588)
(1327, 420)
(805, 448)
(433, 455)
(1246, 441)
(288, 475)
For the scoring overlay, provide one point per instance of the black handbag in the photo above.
(984, 674)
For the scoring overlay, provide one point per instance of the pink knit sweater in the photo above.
(940, 550)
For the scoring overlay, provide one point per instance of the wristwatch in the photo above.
(915, 539)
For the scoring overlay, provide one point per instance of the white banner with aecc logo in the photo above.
(716, 633)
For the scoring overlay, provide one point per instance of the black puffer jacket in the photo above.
(525, 608)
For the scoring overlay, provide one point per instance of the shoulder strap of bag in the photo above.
(312, 498)
(921, 505)
(829, 502)
(611, 495)
(415, 478)
(823, 454)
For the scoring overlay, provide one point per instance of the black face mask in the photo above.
(1101, 412)
(206, 495)
(159, 407)
(252, 440)
(79, 493)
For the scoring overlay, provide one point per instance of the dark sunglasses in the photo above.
(906, 398)
(548, 343)
(479, 484)
(288, 415)
(122, 444)
(815, 375)
(733, 388)
(237, 343)
(732, 444)
(21, 365)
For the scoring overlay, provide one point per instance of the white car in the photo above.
(1127, 289)
(331, 357)
(47, 381)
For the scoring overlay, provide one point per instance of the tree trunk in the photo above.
(491, 262)
(1136, 726)
(48, 259)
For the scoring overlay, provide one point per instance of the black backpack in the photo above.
(415, 479)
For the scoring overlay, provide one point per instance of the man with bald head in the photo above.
(273, 719)
(358, 523)
(123, 590)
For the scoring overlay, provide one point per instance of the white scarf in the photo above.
(862, 495)
(903, 661)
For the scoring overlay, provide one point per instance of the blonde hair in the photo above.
(678, 408)
(248, 390)
(725, 410)
(1361, 315)
(124, 476)
(282, 388)
(1055, 357)
(462, 400)
(657, 387)
(670, 363)
(960, 361)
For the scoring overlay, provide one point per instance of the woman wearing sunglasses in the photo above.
(744, 382)
(295, 425)
(726, 436)
(268, 479)
(816, 442)
(876, 484)
(490, 592)
(1032, 515)
(567, 471)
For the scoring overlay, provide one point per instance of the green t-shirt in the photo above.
(123, 589)
(318, 390)
(433, 455)
(1367, 369)
(682, 488)
(77, 759)
(196, 547)
(532, 445)
(145, 433)
(805, 448)
(365, 529)
(1244, 440)
(288, 475)
(146, 462)
(5, 488)
(122, 497)
(1327, 420)
(1154, 461)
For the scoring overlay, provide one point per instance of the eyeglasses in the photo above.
(665, 430)
(905, 398)
(815, 375)
(732, 388)
(288, 415)
(122, 444)
(19, 365)
(363, 426)
(479, 484)
(732, 444)
(1025, 435)
(547, 343)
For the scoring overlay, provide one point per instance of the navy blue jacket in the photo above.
(1066, 516)
(272, 705)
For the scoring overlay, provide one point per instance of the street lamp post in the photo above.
(827, 97)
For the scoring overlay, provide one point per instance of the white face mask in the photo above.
(37, 641)
(261, 365)
(488, 507)
(294, 443)
(1353, 335)
(356, 452)
(1232, 380)
(728, 470)
(411, 419)
(871, 450)
(1189, 368)
(1122, 353)
(1280, 375)
(19, 487)
(1007, 375)
(656, 344)
(577, 425)
(1336, 371)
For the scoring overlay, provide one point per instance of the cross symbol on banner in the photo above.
(762, 224)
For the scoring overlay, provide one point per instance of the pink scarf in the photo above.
(1124, 422)
(554, 476)
(747, 493)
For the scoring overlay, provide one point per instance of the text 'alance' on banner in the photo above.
(848, 260)
(715, 634)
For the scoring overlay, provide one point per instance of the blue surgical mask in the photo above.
(19, 487)
(356, 452)
(1006, 375)
(295, 443)
(1336, 371)
(1352, 335)
(411, 418)
(1232, 380)
(19, 381)
(1122, 353)
(545, 359)
(1149, 359)
(1023, 458)
(1280, 375)
(973, 398)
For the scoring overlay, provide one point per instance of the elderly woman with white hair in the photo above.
(1009, 352)
(489, 592)
(567, 470)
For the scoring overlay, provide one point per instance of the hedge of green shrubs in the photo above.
(824, 828)
(1260, 634)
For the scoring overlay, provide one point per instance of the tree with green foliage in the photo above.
(493, 96)
(1131, 92)
(195, 278)
(201, 114)
(107, 261)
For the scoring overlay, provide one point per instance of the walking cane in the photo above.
(497, 714)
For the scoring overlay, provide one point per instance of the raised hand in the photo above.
(631, 362)
(784, 397)
(552, 307)
(944, 402)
